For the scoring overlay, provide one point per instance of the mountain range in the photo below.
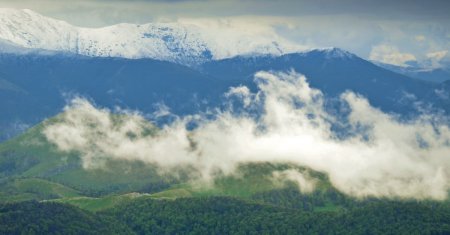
(182, 42)
(164, 71)
(36, 85)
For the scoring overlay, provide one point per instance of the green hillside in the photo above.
(102, 203)
(34, 188)
(248, 202)
(33, 168)
(31, 158)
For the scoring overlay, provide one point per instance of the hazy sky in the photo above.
(397, 32)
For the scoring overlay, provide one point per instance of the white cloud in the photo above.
(242, 93)
(435, 58)
(388, 158)
(242, 35)
(390, 55)
(438, 55)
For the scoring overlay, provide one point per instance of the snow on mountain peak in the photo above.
(29, 29)
(334, 52)
(185, 42)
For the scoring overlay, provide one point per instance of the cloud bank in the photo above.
(284, 122)
(390, 55)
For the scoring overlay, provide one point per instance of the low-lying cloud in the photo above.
(284, 122)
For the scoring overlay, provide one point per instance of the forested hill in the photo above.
(224, 215)
(53, 218)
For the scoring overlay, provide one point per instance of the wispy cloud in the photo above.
(381, 156)
(435, 58)
(390, 55)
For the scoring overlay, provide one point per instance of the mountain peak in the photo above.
(186, 43)
(334, 52)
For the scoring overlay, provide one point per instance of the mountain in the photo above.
(44, 62)
(131, 197)
(37, 84)
(181, 42)
(335, 71)
(176, 69)
(128, 197)
(33, 168)
(437, 75)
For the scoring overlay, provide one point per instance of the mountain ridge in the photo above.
(181, 42)
(37, 84)
(436, 75)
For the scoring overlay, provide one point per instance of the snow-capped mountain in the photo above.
(181, 42)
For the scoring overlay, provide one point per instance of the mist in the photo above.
(284, 122)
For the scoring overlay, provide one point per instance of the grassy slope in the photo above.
(253, 180)
(34, 188)
(59, 175)
(30, 156)
(32, 168)
(98, 204)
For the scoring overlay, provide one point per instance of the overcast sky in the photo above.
(392, 31)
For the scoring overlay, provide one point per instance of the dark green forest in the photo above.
(34, 217)
(224, 215)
